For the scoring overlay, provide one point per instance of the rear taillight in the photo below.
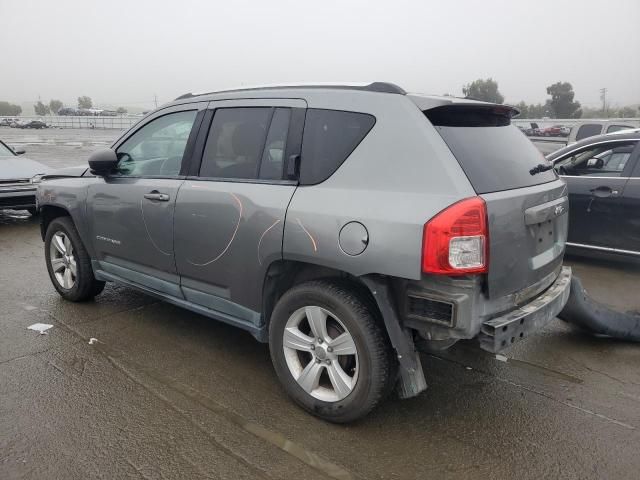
(455, 241)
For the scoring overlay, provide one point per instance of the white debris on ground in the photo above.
(93, 340)
(40, 327)
(502, 358)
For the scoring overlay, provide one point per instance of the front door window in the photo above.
(157, 148)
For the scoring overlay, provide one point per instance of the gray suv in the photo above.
(345, 225)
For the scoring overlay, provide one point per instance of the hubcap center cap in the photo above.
(320, 352)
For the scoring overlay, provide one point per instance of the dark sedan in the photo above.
(19, 178)
(33, 124)
(603, 178)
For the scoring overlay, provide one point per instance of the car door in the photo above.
(130, 212)
(230, 211)
(630, 210)
(596, 176)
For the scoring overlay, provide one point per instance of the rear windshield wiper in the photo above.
(541, 167)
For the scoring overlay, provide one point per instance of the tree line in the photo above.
(561, 104)
(53, 107)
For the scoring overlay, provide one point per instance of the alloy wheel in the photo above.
(320, 353)
(63, 262)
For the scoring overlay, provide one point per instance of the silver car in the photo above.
(19, 177)
(345, 225)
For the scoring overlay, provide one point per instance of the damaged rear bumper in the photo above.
(500, 332)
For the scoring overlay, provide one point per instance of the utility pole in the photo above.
(603, 97)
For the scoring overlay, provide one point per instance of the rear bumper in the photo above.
(498, 333)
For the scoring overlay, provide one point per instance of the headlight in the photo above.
(36, 179)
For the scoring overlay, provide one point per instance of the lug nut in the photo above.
(328, 362)
(312, 346)
(319, 340)
(329, 349)
(318, 360)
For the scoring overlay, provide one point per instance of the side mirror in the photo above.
(103, 161)
(19, 151)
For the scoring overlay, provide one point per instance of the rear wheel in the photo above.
(329, 352)
(68, 262)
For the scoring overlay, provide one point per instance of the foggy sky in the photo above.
(124, 52)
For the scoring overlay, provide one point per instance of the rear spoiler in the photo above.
(425, 103)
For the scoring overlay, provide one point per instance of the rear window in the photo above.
(617, 128)
(329, 138)
(588, 130)
(494, 155)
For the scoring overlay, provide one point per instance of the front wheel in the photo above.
(329, 351)
(68, 262)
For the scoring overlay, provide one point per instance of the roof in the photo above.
(379, 87)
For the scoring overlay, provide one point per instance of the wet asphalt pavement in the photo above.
(165, 393)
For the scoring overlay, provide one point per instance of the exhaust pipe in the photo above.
(594, 317)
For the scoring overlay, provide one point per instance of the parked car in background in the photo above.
(603, 179)
(533, 130)
(68, 111)
(19, 177)
(277, 210)
(584, 129)
(37, 124)
(6, 122)
(555, 131)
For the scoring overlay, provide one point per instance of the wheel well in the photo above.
(47, 214)
(284, 274)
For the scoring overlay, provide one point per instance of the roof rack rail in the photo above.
(380, 87)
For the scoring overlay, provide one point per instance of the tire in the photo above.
(62, 237)
(339, 388)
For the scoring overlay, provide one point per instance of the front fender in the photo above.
(68, 195)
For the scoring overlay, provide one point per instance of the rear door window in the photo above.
(494, 155)
(329, 138)
(588, 130)
(617, 128)
(272, 165)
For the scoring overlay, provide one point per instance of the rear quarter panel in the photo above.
(400, 176)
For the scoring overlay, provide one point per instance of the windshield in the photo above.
(5, 151)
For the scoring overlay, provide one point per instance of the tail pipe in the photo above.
(594, 317)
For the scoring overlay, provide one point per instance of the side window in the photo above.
(617, 128)
(606, 160)
(588, 130)
(235, 143)
(158, 147)
(329, 138)
(272, 165)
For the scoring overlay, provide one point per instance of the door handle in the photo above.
(161, 197)
(604, 192)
